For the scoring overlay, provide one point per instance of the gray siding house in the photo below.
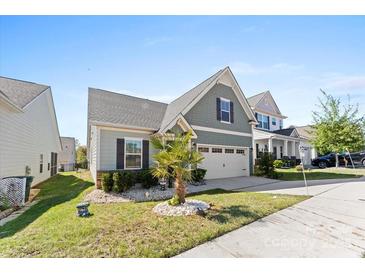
(216, 110)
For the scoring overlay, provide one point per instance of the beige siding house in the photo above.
(67, 157)
(29, 136)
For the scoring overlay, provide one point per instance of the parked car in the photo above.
(357, 157)
(328, 160)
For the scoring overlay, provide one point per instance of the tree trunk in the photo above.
(180, 189)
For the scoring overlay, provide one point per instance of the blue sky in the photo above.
(162, 57)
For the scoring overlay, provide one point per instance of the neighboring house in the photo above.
(216, 110)
(67, 157)
(270, 136)
(29, 136)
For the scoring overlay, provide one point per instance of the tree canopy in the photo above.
(338, 127)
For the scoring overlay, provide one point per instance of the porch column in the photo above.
(292, 148)
(285, 148)
(270, 145)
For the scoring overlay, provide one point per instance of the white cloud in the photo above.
(250, 69)
(149, 42)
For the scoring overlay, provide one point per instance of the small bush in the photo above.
(278, 163)
(174, 201)
(299, 168)
(197, 175)
(117, 182)
(107, 182)
(147, 179)
(265, 166)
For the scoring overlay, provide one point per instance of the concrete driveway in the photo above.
(330, 224)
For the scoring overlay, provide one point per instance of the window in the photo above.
(203, 149)
(263, 121)
(41, 163)
(49, 166)
(281, 124)
(216, 150)
(240, 151)
(225, 110)
(229, 150)
(273, 121)
(133, 154)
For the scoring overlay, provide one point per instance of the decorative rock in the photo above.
(190, 207)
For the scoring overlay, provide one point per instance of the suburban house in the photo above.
(29, 136)
(67, 156)
(216, 110)
(270, 136)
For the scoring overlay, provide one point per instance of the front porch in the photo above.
(280, 146)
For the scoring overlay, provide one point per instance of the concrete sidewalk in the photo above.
(331, 224)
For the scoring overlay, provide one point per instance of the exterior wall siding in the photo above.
(204, 112)
(108, 146)
(67, 156)
(26, 135)
(93, 151)
(212, 138)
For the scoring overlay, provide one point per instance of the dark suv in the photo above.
(328, 160)
(357, 157)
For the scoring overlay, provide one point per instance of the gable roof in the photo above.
(110, 107)
(285, 131)
(256, 99)
(20, 93)
(178, 105)
(306, 132)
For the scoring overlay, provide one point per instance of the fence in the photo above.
(12, 192)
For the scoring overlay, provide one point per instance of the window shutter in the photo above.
(120, 153)
(256, 118)
(219, 109)
(145, 154)
(231, 112)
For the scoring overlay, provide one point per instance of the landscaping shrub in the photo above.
(107, 182)
(265, 166)
(278, 163)
(197, 175)
(117, 182)
(174, 201)
(147, 179)
(299, 168)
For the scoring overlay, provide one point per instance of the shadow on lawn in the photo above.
(54, 191)
(224, 214)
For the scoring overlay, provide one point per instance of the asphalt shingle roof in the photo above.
(253, 100)
(110, 107)
(20, 92)
(284, 131)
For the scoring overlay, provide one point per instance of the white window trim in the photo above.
(262, 122)
(229, 110)
(125, 153)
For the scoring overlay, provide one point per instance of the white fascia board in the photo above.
(222, 131)
(120, 126)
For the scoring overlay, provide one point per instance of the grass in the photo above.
(50, 228)
(319, 174)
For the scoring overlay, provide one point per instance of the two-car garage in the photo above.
(224, 161)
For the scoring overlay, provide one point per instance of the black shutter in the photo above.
(231, 112)
(120, 153)
(256, 119)
(219, 109)
(145, 154)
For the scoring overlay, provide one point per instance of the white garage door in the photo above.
(225, 162)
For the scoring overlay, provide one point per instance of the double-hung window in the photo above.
(263, 121)
(41, 163)
(225, 110)
(273, 121)
(133, 154)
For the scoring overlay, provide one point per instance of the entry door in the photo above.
(224, 162)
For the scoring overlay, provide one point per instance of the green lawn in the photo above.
(50, 228)
(318, 174)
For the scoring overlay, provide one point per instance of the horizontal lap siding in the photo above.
(212, 138)
(108, 147)
(93, 151)
(24, 136)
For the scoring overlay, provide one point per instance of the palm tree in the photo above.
(175, 159)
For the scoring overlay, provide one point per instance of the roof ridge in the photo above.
(24, 81)
(136, 97)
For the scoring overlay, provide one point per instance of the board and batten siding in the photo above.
(108, 146)
(24, 136)
(204, 112)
